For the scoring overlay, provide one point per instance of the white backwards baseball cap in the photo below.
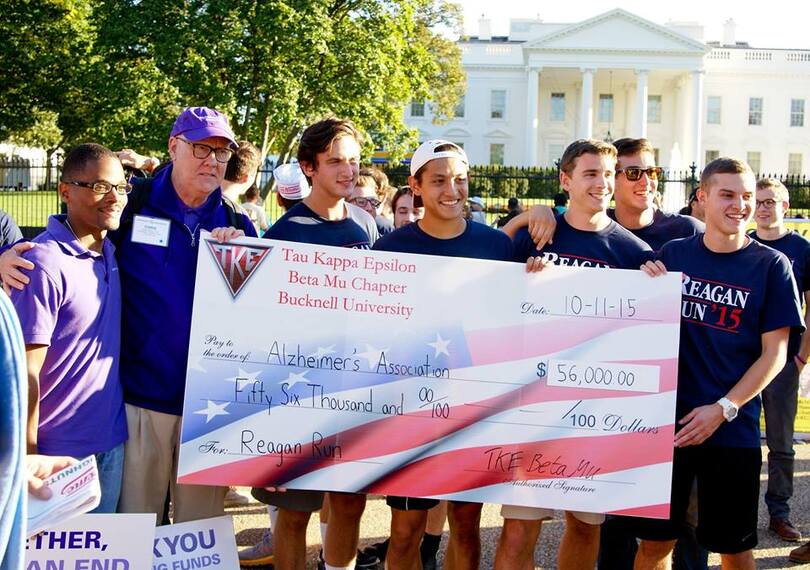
(427, 152)
(291, 182)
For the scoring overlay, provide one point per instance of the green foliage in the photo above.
(119, 71)
(499, 181)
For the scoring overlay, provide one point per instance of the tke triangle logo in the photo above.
(237, 262)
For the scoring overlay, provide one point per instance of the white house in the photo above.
(614, 75)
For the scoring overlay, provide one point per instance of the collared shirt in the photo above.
(73, 306)
(158, 293)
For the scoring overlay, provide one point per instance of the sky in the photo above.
(771, 24)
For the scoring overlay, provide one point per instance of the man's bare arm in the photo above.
(703, 421)
(540, 221)
(35, 358)
(804, 346)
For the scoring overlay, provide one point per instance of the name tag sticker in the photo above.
(151, 231)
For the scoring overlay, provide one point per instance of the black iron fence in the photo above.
(28, 189)
(28, 193)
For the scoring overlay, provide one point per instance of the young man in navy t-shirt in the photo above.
(780, 398)
(636, 183)
(637, 179)
(738, 305)
(585, 237)
(329, 155)
(439, 182)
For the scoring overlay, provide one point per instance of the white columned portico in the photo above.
(641, 103)
(586, 105)
(697, 116)
(533, 78)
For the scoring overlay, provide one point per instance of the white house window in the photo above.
(555, 152)
(418, 108)
(797, 112)
(754, 160)
(713, 110)
(558, 107)
(653, 108)
(755, 111)
(497, 108)
(459, 110)
(496, 152)
(794, 164)
(711, 155)
(605, 108)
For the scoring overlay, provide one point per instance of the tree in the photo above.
(119, 71)
(66, 87)
(276, 65)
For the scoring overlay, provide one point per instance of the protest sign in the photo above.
(94, 542)
(207, 543)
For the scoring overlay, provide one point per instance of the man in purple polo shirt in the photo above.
(70, 314)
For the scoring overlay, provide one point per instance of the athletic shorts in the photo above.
(727, 500)
(410, 503)
(542, 514)
(293, 499)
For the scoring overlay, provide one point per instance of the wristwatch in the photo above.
(730, 409)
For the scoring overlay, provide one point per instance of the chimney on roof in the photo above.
(484, 28)
(729, 32)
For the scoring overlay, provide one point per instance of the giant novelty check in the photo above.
(316, 367)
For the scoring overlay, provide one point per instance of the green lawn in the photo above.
(30, 208)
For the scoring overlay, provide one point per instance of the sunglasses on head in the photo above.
(633, 173)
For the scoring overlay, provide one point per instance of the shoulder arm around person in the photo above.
(540, 222)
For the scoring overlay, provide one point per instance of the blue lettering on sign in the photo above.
(200, 562)
(48, 565)
(186, 542)
(102, 564)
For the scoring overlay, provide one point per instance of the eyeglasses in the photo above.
(634, 173)
(768, 203)
(103, 187)
(203, 151)
(363, 202)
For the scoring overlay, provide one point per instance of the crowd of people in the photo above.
(104, 301)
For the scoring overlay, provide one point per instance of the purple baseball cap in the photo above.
(197, 123)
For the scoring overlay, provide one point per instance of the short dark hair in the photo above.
(287, 203)
(380, 177)
(80, 156)
(401, 191)
(244, 161)
(629, 146)
(723, 165)
(584, 146)
(319, 136)
(513, 203)
(778, 188)
(366, 180)
(251, 192)
(560, 199)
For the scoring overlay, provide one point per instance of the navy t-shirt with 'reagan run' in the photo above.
(665, 227)
(300, 224)
(612, 247)
(729, 300)
(478, 242)
(797, 249)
